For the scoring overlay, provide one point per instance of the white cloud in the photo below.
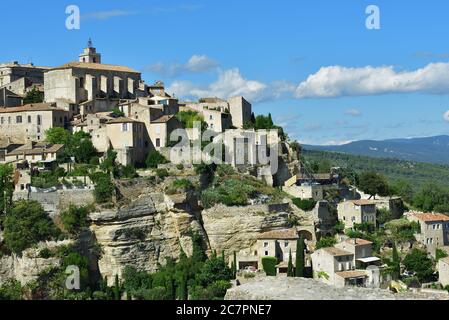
(231, 83)
(446, 116)
(196, 64)
(337, 81)
(337, 142)
(104, 15)
(353, 112)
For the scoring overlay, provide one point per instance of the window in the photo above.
(29, 119)
(266, 253)
(124, 127)
(265, 244)
(39, 120)
(19, 119)
(211, 117)
(353, 219)
(1, 120)
(286, 244)
(158, 142)
(157, 129)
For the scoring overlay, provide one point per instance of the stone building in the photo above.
(357, 211)
(129, 138)
(35, 153)
(443, 271)
(94, 86)
(434, 229)
(29, 122)
(278, 244)
(336, 267)
(362, 251)
(13, 71)
(9, 98)
(160, 130)
(222, 114)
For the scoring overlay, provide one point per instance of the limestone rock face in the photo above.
(236, 228)
(142, 234)
(283, 288)
(27, 267)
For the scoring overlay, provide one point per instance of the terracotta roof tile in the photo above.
(31, 107)
(96, 66)
(279, 234)
(358, 241)
(429, 217)
(337, 252)
(351, 274)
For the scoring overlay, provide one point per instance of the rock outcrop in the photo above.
(283, 288)
(143, 233)
(236, 228)
(29, 265)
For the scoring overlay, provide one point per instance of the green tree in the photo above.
(439, 254)
(396, 263)
(326, 242)
(104, 189)
(290, 272)
(109, 165)
(154, 159)
(74, 219)
(417, 261)
(373, 183)
(300, 261)
(269, 265)
(234, 265)
(6, 189)
(34, 96)
(432, 197)
(26, 225)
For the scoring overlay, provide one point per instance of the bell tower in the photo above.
(90, 54)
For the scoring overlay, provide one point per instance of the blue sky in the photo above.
(312, 64)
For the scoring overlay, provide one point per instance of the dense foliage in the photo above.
(417, 261)
(304, 204)
(74, 219)
(77, 145)
(269, 265)
(26, 225)
(34, 96)
(154, 159)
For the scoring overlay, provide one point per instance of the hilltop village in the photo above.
(87, 171)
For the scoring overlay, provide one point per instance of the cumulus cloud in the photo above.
(338, 81)
(446, 116)
(232, 83)
(104, 15)
(196, 64)
(353, 112)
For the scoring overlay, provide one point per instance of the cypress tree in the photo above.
(234, 269)
(396, 263)
(300, 247)
(117, 293)
(183, 290)
(290, 265)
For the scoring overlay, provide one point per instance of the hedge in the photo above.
(269, 265)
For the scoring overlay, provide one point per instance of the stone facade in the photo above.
(357, 211)
(434, 229)
(443, 271)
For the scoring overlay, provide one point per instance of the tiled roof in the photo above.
(363, 202)
(31, 107)
(351, 274)
(358, 241)
(279, 234)
(36, 148)
(337, 252)
(121, 120)
(96, 66)
(429, 217)
(163, 119)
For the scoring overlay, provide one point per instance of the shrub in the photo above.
(326, 242)
(180, 166)
(26, 225)
(417, 261)
(11, 290)
(104, 188)
(162, 173)
(269, 265)
(154, 159)
(305, 205)
(45, 253)
(182, 184)
(74, 219)
(232, 192)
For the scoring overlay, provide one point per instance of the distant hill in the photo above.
(416, 173)
(430, 149)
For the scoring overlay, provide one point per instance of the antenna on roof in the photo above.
(89, 43)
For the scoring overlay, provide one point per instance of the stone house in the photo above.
(161, 128)
(9, 98)
(305, 191)
(94, 86)
(362, 252)
(443, 271)
(357, 211)
(29, 122)
(13, 71)
(336, 267)
(35, 153)
(129, 138)
(278, 244)
(434, 229)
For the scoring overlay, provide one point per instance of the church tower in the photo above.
(90, 54)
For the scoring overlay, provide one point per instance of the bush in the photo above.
(104, 188)
(26, 225)
(305, 205)
(180, 166)
(74, 219)
(154, 159)
(231, 192)
(162, 173)
(185, 184)
(45, 253)
(11, 290)
(417, 261)
(326, 242)
(269, 265)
